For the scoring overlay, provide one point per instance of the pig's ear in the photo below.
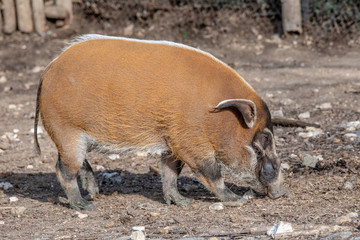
(247, 108)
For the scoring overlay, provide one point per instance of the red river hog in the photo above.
(113, 94)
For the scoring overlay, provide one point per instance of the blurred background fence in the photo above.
(325, 19)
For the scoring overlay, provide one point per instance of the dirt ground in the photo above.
(290, 76)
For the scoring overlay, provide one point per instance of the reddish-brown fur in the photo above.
(128, 94)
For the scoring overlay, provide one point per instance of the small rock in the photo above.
(154, 214)
(348, 185)
(325, 106)
(39, 130)
(6, 185)
(114, 156)
(18, 211)
(4, 144)
(277, 113)
(309, 160)
(311, 132)
(2, 222)
(286, 101)
(12, 107)
(110, 224)
(3, 79)
(137, 235)
(355, 124)
(37, 69)
(352, 215)
(216, 206)
(336, 140)
(285, 166)
(129, 30)
(81, 215)
(343, 219)
(30, 167)
(138, 228)
(304, 115)
(100, 168)
(349, 147)
(8, 88)
(13, 199)
(293, 156)
(279, 228)
(249, 195)
(350, 136)
(269, 95)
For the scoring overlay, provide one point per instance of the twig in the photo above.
(287, 122)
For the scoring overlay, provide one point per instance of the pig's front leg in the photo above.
(209, 173)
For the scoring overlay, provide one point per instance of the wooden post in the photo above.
(39, 15)
(9, 16)
(24, 16)
(67, 4)
(1, 24)
(291, 16)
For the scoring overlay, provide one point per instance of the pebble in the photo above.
(100, 168)
(13, 199)
(309, 160)
(286, 101)
(277, 113)
(12, 106)
(113, 177)
(18, 211)
(279, 228)
(39, 130)
(137, 235)
(37, 69)
(343, 219)
(216, 206)
(285, 166)
(6, 185)
(2, 222)
(349, 147)
(325, 106)
(129, 30)
(348, 185)
(249, 195)
(138, 228)
(336, 140)
(311, 132)
(81, 215)
(293, 156)
(3, 79)
(304, 115)
(30, 167)
(7, 88)
(350, 136)
(114, 156)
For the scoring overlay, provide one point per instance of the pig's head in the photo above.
(257, 163)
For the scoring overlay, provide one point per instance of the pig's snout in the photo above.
(268, 172)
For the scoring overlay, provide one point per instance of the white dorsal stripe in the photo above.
(89, 37)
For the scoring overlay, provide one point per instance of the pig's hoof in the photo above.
(82, 204)
(177, 198)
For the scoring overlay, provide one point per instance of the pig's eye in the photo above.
(266, 141)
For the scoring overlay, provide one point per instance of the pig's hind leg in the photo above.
(88, 179)
(170, 170)
(72, 151)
